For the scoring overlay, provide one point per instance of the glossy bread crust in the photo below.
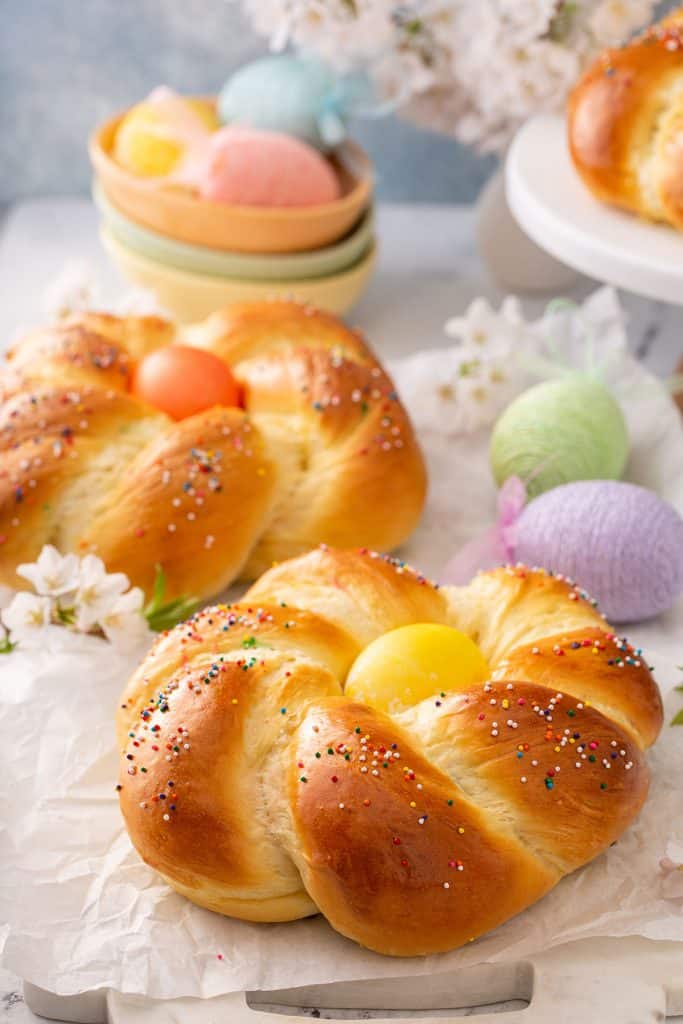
(322, 450)
(625, 124)
(259, 790)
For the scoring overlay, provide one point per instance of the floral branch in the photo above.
(79, 595)
(436, 57)
(6, 645)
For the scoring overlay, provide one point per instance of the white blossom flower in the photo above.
(75, 596)
(498, 353)
(124, 623)
(27, 618)
(463, 388)
(53, 575)
(6, 596)
(472, 68)
(486, 333)
(97, 592)
(71, 291)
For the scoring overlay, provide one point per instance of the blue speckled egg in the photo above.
(295, 95)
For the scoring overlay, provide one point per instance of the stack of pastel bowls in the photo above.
(199, 253)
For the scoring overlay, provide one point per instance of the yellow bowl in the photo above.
(188, 296)
(175, 211)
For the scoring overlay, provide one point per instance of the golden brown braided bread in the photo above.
(626, 124)
(258, 790)
(322, 451)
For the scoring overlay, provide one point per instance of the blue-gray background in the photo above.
(67, 64)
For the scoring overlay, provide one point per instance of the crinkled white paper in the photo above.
(83, 912)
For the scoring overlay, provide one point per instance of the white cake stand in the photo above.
(554, 208)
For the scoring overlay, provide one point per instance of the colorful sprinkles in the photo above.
(360, 752)
(341, 382)
(574, 591)
(568, 740)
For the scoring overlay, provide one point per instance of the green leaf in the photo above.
(677, 719)
(67, 616)
(679, 689)
(468, 368)
(158, 591)
(169, 615)
(6, 645)
(561, 25)
(162, 615)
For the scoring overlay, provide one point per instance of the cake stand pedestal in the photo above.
(516, 263)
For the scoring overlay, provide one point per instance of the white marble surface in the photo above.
(428, 271)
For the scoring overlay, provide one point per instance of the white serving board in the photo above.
(615, 981)
(556, 210)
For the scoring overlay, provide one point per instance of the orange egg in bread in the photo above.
(127, 437)
(182, 381)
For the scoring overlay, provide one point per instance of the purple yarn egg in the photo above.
(620, 542)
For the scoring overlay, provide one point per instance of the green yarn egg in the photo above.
(565, 429)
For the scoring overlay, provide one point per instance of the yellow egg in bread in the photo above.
(408, 664)
(154, 135)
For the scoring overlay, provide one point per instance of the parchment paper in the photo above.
(81, 911)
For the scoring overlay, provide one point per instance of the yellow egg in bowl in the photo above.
(175, 210)
(148, 143)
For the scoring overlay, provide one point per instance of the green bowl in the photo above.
(332, 259)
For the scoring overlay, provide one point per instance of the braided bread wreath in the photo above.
(257, 789)
(321, 451)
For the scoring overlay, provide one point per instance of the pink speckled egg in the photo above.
(249, 168)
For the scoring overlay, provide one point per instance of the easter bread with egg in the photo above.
(258, 787)
(318, 448)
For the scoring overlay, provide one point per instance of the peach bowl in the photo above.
(197, 259)
(176, 212)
